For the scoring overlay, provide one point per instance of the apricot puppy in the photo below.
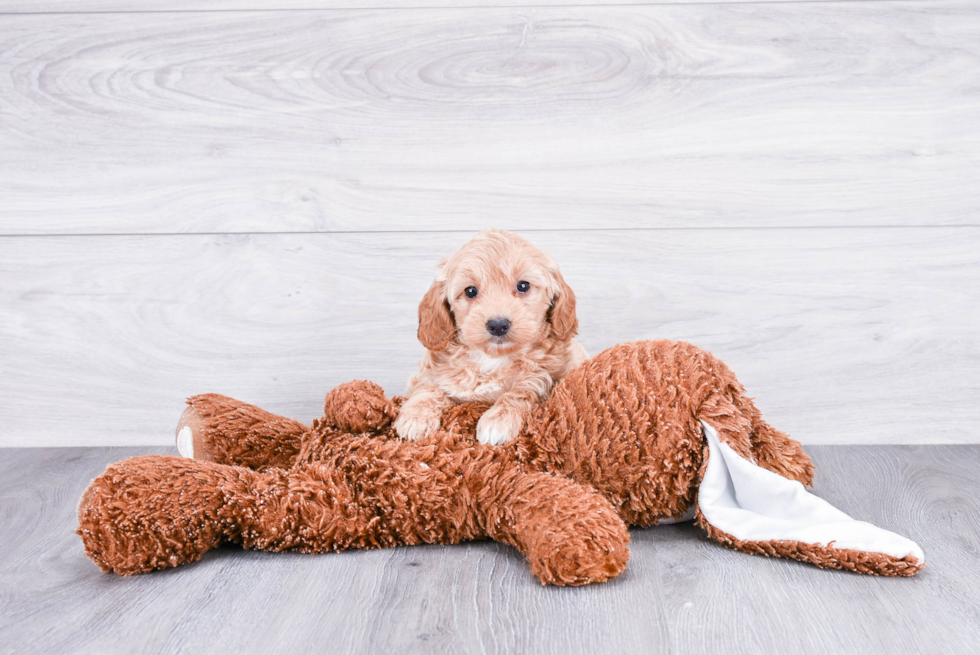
(498, 324)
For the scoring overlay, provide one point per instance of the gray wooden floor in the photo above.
(680, 594)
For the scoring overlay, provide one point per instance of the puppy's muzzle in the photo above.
(498, 327)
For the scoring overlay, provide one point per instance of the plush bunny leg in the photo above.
(569, 534)
(223, 430)
(156, 512)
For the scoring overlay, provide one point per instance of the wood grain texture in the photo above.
(792, 114)
(681, 594)
(861, 335)
(104, 6)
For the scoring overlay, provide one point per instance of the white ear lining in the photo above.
(754, 504)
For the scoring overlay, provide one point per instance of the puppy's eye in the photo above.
(470, 292)
(523, 287)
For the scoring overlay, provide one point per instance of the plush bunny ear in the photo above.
(436, 326)
(752, 509)
(561, 315)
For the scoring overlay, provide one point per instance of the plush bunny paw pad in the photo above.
(185, 442)
(190, 428)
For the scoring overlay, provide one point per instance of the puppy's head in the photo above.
(497, 293)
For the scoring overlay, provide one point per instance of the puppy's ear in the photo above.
(436, 324)
(561, 315)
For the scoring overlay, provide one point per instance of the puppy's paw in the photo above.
(413, 424)
(499, 425)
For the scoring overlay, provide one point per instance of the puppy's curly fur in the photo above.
(498, 324)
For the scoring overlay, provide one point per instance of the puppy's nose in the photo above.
(498, 326)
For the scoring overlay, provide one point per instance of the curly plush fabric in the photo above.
(618, 443)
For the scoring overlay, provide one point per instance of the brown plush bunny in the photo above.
(623, 440)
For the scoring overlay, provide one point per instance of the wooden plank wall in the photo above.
(250, 197)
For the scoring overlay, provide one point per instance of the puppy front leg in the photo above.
(421, 414)
(505, 418)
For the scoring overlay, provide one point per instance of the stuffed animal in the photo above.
(643, 433)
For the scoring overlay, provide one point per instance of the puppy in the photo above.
(497, 325)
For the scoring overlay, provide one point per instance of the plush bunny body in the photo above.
(619, 442)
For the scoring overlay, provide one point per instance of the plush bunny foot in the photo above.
(156, 512)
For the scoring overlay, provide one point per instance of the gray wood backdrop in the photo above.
(251, 196)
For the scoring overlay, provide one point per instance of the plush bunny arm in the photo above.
(569, 534)
(156, 512)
